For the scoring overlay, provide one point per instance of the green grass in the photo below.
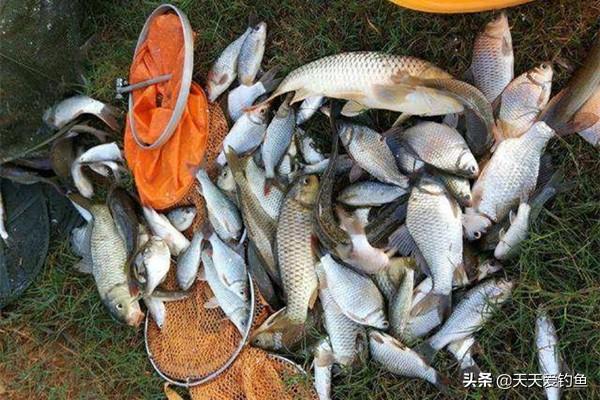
(57, 342)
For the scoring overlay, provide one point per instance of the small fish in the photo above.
(369, 193)
(182, 217)
(308, 108)
(401, 360)
(224, 70)
(73, 107)
(278, 138)
(3, 231)
(523, 100)
(244, 96)
(492, 66)
(400, 305)
(161, 227)
(308, 148)
(246, 134)
(157, 310)
(371, 152)
(442, 147)
(322, 363)
(154, 262)
(251, 54)
(223, 214)
(462, 350)
(102, 152)
(509, 177)
(546, 342)
(355, 294)
(230, 267)
(188, 262)
(470, 314)
(234, 308)
(509, 243)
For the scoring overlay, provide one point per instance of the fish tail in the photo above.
(426, 351)
(442, 383)
(268, 79)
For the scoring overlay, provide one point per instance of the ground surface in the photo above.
(57, 342)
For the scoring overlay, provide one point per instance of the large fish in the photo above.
(295, 254)
(523, 100)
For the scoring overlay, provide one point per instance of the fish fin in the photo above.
(402, 242)
(427, 303)
(353, 108)
(424, 100)
(171, 394)
(355, 173)
(201, 274)
(511, 216)
(579, 122)
(301, 94)
(268, 79)
(445, 305)
(325, 359)
(313, 297)
(280, 324)
(473, 369)
(83, 266)
(460, 276)
(441, 383)
(82, 205)
(402, 118)
(426, 351)
(349, 223)
(211, 303)
(174, 295)
(451, 120)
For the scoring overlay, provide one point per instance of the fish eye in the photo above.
(477, 235)
(304, 180)
(119, 306)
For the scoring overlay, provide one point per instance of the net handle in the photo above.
(186, 77)
(190, 382)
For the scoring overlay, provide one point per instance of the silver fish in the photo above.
(369, 193)
(509, 177)
(234, 308)
(278, 138)
(182, 217)
(546, 343)
(358, 297)
(509, 243)
(322, 364)
(102, 152)
(246, 134)
(188, 262)
(523, 100)
(401, 360)
(251, 54)
(400, 306)
(161, 227)
(74, 107)
(157, 310)
(224, 70)
(308, 108)
(244, 96)
(371, 152)
(307, 147)
(223, 214)
(230, 267)
(492, 66)
(462, 350)
(469, 315)
(154, 262)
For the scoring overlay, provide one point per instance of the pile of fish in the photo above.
(387, 243)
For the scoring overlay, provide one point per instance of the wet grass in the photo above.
(57, 342)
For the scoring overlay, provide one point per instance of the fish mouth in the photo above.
(136, 318)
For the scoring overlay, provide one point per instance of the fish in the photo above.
(3, 231)
(508, 178)
(546, 343)
(510, 241)
(246, 134)
(123, 209)
(295, 255)
(223, 213)
(345, 335)
(308, 108)
(270, 202)
(224, 71)
(251, 54)
(161, 227)
(462, 350)
(401, 360)
(156, 305)
(470, 314)
(400, 305)
(458, 186)
(323, 360)
(260, 226)
(188, 262)
(277, 139)
(234, 308)
(355, 294)
(80, 245)
(307, 146)
(182, 217)
(260, 276)
(523, 100)
(492, 66)
(153, 263)
(244, 96)
(230, 267)
(424, 321)
(442, 147)
(433, 221)
(74, 107)
(370, 151)
(369, 193)
(591, 109)
(375, 80)
(102, 152)
(109, 259)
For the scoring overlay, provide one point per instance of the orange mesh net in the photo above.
(196, 341)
